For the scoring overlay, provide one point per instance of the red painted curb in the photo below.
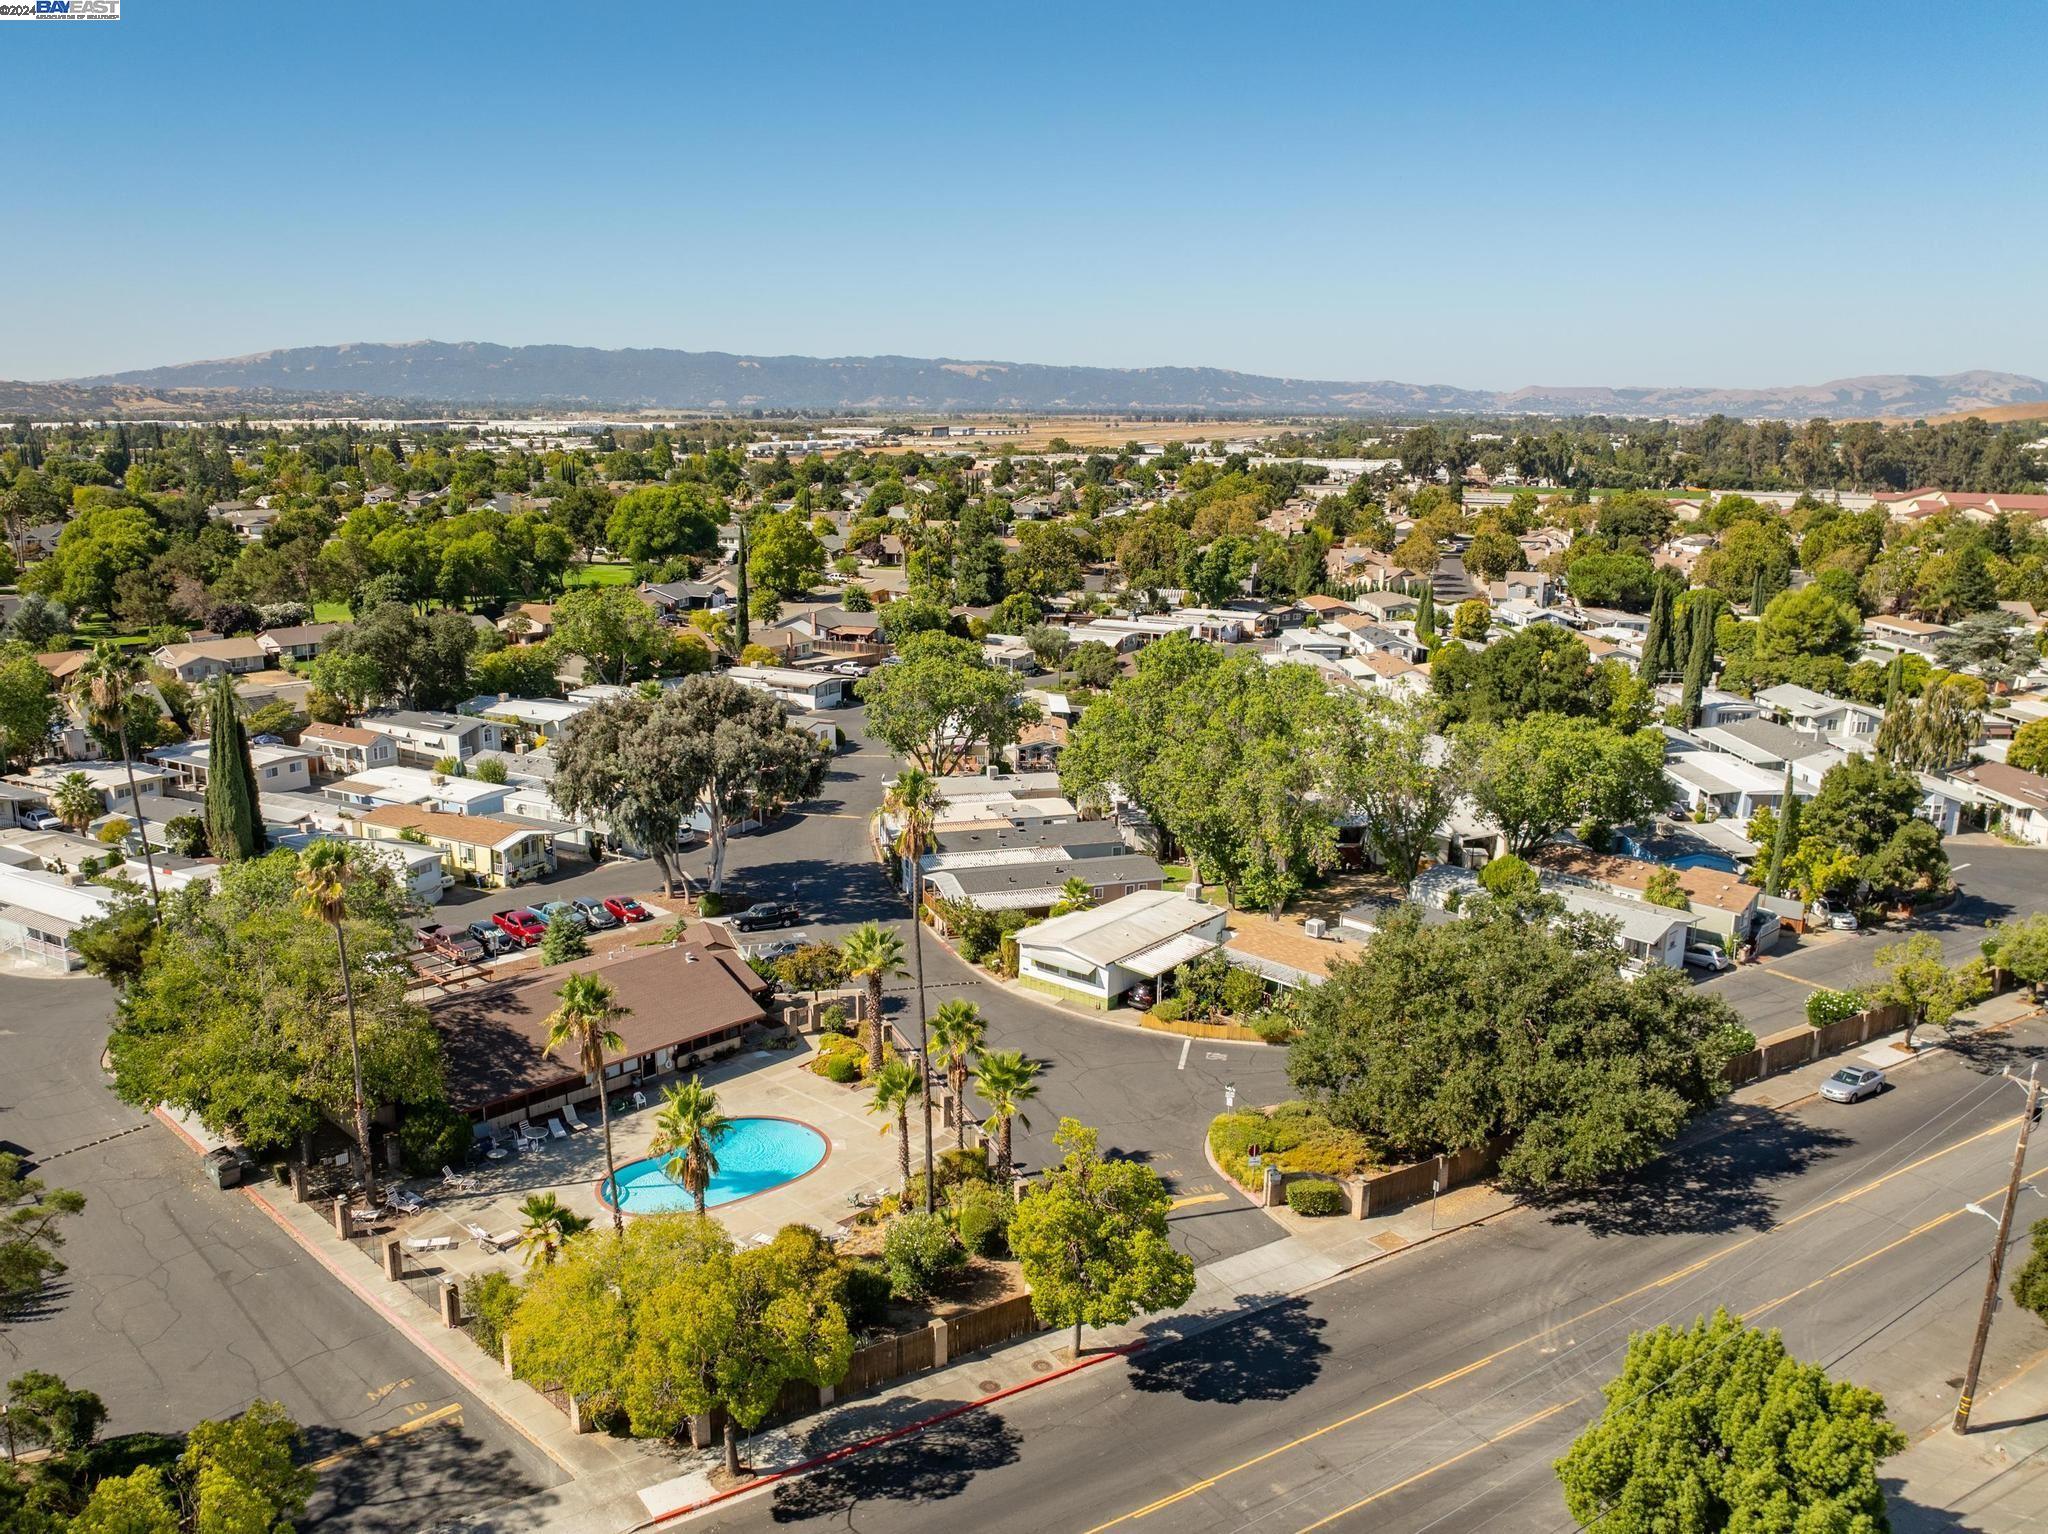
(847, 1451)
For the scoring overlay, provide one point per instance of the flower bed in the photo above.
(1295, 1137)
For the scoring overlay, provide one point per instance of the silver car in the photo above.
(1852, 1082)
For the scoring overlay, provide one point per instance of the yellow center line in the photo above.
(442, 1414)
(1197, 1198)
(1443, 1464)
(1678, 1275)
(1779, 974)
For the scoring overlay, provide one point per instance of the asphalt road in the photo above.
(1151, 1095)
(183, 1302)
(1433, 1390)
(1996, 883)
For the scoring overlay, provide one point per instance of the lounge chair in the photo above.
(463, 1181)
(487, 1241)
(575, 1123)
(404, 1200)
(555, 1128)
(366, 1216)
(530, 1137)
(430, 1243)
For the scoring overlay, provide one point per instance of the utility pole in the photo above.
(2012, 1197)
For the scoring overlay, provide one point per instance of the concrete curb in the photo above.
(848, 1451)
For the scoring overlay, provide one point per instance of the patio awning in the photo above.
(1171, 954)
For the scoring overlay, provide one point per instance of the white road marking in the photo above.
(1185, 1045)
(1956, 868)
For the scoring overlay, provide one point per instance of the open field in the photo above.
(2025, 410)
(598, 575)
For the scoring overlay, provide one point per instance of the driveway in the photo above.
(183, 1302)
(1997, 883)
(1150, 1097)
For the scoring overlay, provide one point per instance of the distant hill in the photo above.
(480, 373)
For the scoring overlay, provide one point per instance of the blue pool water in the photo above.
(754, 1156)
(1705, 860)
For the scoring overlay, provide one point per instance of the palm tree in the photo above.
(894, 1087)
(325, 877)
(106, 681)
(1075, 895)
(583, 1024)
(957, 1030)
(686, 1130)
(874, 953)
(549, 1225)
(1003, 1079)
(915, 799)
(76, 801)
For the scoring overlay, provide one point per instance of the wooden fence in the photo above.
(889, 1359)
(1234, 1032)
(1802, 1046)
(989, 1325)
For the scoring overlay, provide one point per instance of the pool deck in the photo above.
(762, 1084)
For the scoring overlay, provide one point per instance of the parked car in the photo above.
(626, 908)
(41, 820)
(487, 934)
(1706, 956)
(521, 926)
(594, 915)
(766, 913)
(1834, 918)
(559, 910)
(778, 948)
(452, 943)
(851, 668)
(1852, 1082)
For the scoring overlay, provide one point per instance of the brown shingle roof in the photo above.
(1703, 886)
(494, 1040)
(340, 734)
(470, 830)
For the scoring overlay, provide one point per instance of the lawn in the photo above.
(599, 575)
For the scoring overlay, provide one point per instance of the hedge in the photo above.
(1295, 1137)
(1824, 1007)
(1313, 1196)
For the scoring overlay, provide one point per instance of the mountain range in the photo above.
(475, 373)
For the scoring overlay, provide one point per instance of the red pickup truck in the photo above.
(522, 926)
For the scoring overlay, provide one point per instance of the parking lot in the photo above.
(1995, 883)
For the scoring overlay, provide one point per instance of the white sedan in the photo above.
(1706, 956)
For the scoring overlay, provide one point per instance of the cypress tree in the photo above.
(233, 829)
(1757, 595)
(1699, 661)
(1784, 839)
(1894, 682)
(1425, 618)
(1657, 638)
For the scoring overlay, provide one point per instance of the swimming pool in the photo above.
(753, 1156)
(1719, 860)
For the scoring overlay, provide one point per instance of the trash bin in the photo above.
(223, 1168)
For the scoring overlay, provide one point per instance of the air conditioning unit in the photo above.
(1315, 926)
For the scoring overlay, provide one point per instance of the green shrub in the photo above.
(867, 1295)
(1170, 1009)
(709, 904)
(1313, 1196)
(981, 1214)
(1243, 991)
(833, 1018)
(1007, 956)
(1824, 1007)
(1295, 1137)
(488, 1301)
(563, 940)
(842, 1068)
(1272, 1027)
(433, 1135)
(917, 1251)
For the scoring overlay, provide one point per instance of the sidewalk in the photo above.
(1319, 1251)
(1995, 1480)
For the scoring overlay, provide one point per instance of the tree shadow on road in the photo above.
(1710, 1186)
(916, 1470)
(412, 1482)
(817, 886)
(1267, 1356)
(1993, 1053)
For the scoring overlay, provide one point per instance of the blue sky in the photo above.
(1482, 195)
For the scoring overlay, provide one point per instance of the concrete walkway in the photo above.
(1994, 1480)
